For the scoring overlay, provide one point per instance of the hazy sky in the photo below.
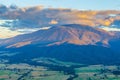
(75, 4)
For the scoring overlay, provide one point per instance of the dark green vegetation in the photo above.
(67, 52)
(52, 69)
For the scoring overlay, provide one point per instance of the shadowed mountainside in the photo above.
(84, 54)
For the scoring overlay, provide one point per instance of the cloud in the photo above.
(6, 32)
(110, 28)
(29, 30)
(53, 22)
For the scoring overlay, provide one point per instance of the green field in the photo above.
(52, 69)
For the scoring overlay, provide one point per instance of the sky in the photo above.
(74, 4)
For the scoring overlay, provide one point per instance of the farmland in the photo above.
(52, 69)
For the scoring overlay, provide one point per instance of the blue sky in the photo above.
(75, 4)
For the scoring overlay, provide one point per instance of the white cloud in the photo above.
(110, 28)
(6, 32)
(29, 30)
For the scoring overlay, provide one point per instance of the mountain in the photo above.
(81, 40)
(71, 33)
(70, 42)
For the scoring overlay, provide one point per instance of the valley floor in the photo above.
(52, 69)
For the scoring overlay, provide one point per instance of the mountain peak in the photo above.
(70, 33)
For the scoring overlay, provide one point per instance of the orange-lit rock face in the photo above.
(19, 44)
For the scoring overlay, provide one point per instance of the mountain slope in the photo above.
(71, 33)
(71, 42)
(84, 54)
